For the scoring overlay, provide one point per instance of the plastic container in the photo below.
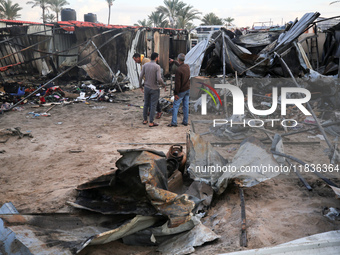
(68, 14)
(90, 17)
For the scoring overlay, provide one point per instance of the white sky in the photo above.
(128, 12)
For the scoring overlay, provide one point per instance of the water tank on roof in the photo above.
(68, 14)
(90, 17)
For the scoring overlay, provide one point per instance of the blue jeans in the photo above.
(183, 96)
(151, 97)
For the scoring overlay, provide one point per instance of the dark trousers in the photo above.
(151, 98)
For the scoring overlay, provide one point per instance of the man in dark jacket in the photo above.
(182, 91)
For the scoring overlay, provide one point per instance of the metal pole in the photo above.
(308, 105)
(106, 64)
(225, 94)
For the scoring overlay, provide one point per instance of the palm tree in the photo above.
(9, 10)
(142, 23)
(110, 3)
(49, 18)
(56, 6)
(157, 19)
(171, 9)
(211, 19)
(43, 4)
(185, 16)
(229, 21)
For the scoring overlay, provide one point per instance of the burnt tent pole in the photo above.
(114, 80)
(303, 180)
(317, 47)
(225, 94)
(339, 69)
(243, 242)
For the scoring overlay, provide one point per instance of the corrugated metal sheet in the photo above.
(19, 22)
(63, 42)
(320, 244)
(46, 30)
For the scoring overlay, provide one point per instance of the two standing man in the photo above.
(152, 73)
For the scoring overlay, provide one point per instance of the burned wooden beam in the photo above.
(300, 177)
(243, 241)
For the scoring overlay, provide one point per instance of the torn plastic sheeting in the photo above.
(195, 57)
(132, 67)
(256, 40)
(251, 165)
(185, 243)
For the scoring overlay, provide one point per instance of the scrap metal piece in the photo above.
(185, 243)
(327, 243)
(336, 191)
(139, 186)
(202, 157)
(251, 165)
(47, 234)
(136, 224)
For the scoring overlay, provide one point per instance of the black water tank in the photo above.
(68, 14)
(90, 17)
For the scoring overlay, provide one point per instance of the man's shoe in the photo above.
(171, 125)
(153, 124)
(184, 124)
(159, 115)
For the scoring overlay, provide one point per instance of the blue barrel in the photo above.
(68, 14)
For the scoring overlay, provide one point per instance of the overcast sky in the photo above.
(128, 12)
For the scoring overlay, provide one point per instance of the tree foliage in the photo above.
(43, 4)
(229, 21)
(211, 19)
(8, 10)
(142, 23)
(156, 19)
(56, 6)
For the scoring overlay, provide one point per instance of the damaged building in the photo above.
(29, 48)
(221, 185)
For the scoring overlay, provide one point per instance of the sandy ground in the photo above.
(38, 175)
